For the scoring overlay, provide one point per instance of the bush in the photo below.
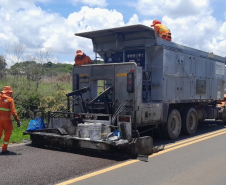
(26, 103)
(49, 96)
(66, 78)
(56, 102)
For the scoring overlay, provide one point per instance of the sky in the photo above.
(51, 24)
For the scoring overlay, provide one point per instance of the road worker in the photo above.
(162, 31)
(81, 58)
(6, 109)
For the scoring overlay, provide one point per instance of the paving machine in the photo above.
(143, 83)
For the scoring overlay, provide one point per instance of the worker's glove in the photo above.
(18, 123)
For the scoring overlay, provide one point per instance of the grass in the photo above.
(47, 89)
(100, 86)
(17, 134)
(20, 84)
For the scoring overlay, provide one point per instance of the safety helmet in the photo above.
(79, 52)
(155, 22)
(7, 89)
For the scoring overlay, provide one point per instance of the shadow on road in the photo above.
(121, 155)
(116, 155)
(204, 127)
(10, 153)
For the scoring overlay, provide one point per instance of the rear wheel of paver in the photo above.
(172, 128)
(189, 121)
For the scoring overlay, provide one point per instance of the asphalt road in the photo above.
(202, 162)
(46, 166)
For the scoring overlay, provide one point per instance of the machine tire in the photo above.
(172, 128)
(189, 121)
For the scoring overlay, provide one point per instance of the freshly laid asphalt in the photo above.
(50, 166)
(46, 166)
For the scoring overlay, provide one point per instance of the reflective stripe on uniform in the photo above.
(4, 109)
(6, 143)
(163, 28)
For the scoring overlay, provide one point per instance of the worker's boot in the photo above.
(5, 152)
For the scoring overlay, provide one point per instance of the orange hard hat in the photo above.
(79, 52)
(155, 22)
(7, 89)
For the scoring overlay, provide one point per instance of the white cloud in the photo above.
(88, 19)
(192, 31)
(26, 23)
(175, 8)
(200, 32)
(39, 29)
(218, 43)
(133, 20)
(99, 3)
(191, 23)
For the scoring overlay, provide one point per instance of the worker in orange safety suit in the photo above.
(162, 31)
(81, 58)
(6, 109)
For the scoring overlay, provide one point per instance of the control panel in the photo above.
(137, 56)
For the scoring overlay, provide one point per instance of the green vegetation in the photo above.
(17, 134)
(100, 86)
(41, 86)
(2, 66)
(49, 67)
(31, 99)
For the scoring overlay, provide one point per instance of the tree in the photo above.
(14, 52)
(18, 50)
(43, 56)
(48, 65)
(30, 70)
(2, 66)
